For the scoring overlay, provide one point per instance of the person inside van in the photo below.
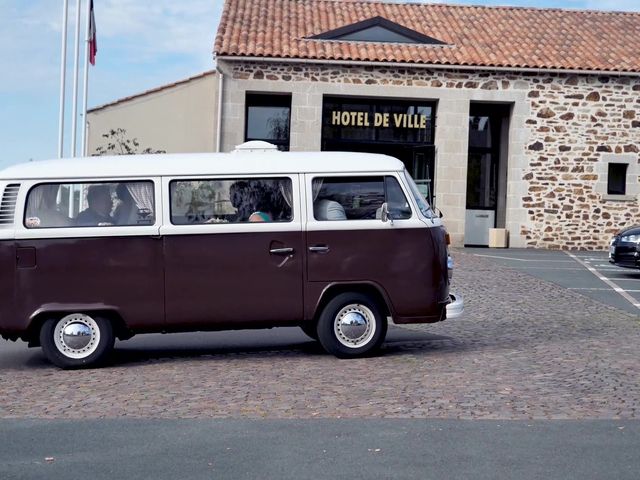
(262, 211)
(261, 198)
(239, 198)
(100, 205)
(327, 209)
(259, 216)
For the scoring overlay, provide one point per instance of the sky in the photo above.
(141, 45)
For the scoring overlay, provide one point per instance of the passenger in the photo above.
(99, 211)
(258, 216)
(262, 200)
(239, 198)
(326, 209)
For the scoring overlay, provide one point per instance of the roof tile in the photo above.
(478, 36)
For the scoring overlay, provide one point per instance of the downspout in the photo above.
(220, 96)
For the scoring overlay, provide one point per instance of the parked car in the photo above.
(111, 247)
(624, 248)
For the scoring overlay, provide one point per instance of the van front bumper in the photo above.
(456, 306)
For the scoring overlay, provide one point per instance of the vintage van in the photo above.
(94, 249)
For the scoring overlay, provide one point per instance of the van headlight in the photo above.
(630, 238)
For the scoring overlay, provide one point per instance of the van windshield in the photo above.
(423, 205)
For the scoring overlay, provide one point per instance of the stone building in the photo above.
(522, 119)
(531, 114)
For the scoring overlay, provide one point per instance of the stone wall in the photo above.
(573, 127)
(578, 125)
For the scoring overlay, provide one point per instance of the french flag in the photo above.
(93, 42)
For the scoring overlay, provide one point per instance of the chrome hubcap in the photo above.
(354, 325)
(77, 336)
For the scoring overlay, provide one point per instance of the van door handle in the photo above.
(281, 251)
(319, 249)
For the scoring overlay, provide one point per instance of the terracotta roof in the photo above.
(514, 37)
(152, 90)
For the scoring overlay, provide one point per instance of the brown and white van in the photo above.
(95, 249)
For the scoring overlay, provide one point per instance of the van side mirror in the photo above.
(384, 213)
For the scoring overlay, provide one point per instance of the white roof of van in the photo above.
(234, 163)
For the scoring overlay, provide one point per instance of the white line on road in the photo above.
(523, 259)
(604, 289)
(524, 269)
(615, 287)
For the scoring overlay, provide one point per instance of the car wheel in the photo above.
(351, 325)
(310, 329)
(76, 340)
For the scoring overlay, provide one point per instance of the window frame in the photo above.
(343, 33)
(625, 168)
(22, 232)
(495, 120)
(169, 228)
(362, 224)
(632, 187)
(263, 99)
(222, 179)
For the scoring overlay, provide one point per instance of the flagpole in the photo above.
(63, 69)
(74, 118)
(85, 86)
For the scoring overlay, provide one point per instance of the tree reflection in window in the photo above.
(268, 119)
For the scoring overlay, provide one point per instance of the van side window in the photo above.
(233, 200)
(357, 198)
(56, 205)
(396, 201)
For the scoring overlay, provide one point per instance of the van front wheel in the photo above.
(351, 325)
(76, 340)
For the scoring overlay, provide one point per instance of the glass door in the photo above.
(482, 173)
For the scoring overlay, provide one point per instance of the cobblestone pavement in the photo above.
(524, 349)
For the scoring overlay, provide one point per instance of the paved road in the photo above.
(588, 273)
(313, 449)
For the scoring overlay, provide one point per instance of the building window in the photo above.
(379, 30)
(268, 119)
(617, 179)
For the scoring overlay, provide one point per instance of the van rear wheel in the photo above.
(351, 325)
(76, 340)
